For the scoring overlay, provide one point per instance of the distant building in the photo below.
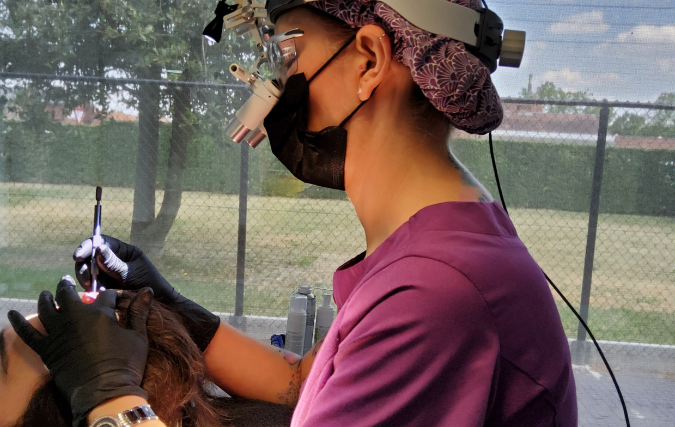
(85, 114)
(88, 116)
(522, 123)
(645, 142)
(529, 123)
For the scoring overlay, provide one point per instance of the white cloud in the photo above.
(666, 65)
(644, 56)
(582, 23)
(565, 74)
(623, 67)
(645, 47)
(533, 51)
(572, 80)
(649, 34)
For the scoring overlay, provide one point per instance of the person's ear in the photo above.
(374, 63)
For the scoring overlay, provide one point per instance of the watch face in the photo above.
(106, 422)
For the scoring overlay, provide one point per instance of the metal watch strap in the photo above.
(128, 418)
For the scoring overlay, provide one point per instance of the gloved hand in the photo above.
(124, 266)
(89, 355)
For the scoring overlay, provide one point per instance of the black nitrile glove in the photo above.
(89, 355)
(124, 266)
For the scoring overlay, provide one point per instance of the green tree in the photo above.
(663, 123)
(134, 39)
(550, 92)
(650, 123)
(628, 124)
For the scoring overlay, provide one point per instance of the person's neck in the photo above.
(391, 175)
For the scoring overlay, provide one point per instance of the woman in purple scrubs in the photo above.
(445, 319)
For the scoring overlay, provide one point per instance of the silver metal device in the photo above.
(248, 122)
(128, 418)
(482, 31)
(96, 240)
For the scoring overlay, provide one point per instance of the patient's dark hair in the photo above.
(175, 379)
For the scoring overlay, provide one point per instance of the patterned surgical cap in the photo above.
(456, 82)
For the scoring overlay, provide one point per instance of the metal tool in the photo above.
(96, 240)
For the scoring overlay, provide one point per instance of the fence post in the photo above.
(593, 218)
(239, 321)
(3, 221)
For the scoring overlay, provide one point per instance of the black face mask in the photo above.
(313, 157)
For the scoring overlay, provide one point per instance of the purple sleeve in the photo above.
(417, 348)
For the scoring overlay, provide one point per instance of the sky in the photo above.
(621, 50)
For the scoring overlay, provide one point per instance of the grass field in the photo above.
(292, 241)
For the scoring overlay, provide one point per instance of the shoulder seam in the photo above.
(487, 308)
(546, 389)
(506, 236)
(485, 304)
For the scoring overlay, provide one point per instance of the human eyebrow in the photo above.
(3, 351)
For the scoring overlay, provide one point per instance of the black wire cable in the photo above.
(602, 355)
(494, 166)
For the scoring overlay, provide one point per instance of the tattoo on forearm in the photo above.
(290, 395)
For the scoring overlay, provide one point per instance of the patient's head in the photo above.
(175, 378)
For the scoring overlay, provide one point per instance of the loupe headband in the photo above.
(480, 30)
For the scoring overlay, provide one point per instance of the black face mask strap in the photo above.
(344, 46)
(344, 122)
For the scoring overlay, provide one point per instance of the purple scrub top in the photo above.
(450, 322)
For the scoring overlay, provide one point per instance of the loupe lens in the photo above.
(236, 130)
(282, 55)
(282, 58)
(275, 57)
(255, 137)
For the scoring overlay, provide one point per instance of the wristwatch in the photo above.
(127, 418)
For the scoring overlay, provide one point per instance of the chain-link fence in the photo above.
(590, 187)
(227, 225)
(594, 201)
